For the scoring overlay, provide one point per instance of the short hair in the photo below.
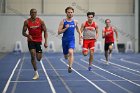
(32, 10)
(107, 20)
(91, 13)
(69, 8)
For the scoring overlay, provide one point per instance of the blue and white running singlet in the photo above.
(68, 39)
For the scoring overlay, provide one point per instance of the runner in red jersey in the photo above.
(35, 28)
(108, 34)
(90, 35)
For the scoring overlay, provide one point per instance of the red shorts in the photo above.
(88, 44)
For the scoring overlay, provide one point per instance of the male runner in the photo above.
(35, 28)
(108, 35)
(90, 35)
(67, 27)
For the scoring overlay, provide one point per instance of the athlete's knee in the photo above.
(85, 52)
(92, 51)
(70, 52)
(110, 47)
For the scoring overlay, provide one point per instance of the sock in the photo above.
(36, 72)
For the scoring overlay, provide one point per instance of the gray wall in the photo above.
(55, 7)
(11, 28)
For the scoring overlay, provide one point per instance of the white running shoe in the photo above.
(107, 62)
(36, 76)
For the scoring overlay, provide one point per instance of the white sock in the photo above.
(36, 72)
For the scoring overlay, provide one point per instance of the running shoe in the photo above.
(89, 68)
(69, 69)
(36, 76)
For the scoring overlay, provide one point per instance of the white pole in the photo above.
(136, 25)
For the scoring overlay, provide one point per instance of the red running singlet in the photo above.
(35, 29)
(109, 38)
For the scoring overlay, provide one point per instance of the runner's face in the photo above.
(108, 23)
(69, 13)
(33, 14)
(90, 18)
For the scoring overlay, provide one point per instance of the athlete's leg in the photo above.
(71, 57)
(106, 55)
(70, 60)
(38, 51)
(39, 56)
(91, 57)
(106, 48)
(33, 61)
(66, 56)
(110, 50)
(85, 52)
(91, 47)
(85, 47)
(71, 46)
(32, 49)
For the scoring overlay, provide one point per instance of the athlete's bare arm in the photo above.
(77, 28)
(61, 29)
(45, 33)
(82, 28)
(97, 30)
(116, 34)
(103, 34)
(24, 31)
(79, 32)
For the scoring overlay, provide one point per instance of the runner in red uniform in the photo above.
(90, 35)
(108, 34)
(35, 28)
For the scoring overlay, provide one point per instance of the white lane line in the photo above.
(63, 81)
(130, 62)
(106, 79)
(30, 81)
(101, 90)
(50, 83)
(17, 78)
(71, 80)
(113, 74)
(8, 82)
(119, 68)
(122, 66)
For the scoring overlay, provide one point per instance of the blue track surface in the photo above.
(122, 75)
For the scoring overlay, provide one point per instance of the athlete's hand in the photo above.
(45, 45)
(117, 40)
(67, 26)
(30, 38)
